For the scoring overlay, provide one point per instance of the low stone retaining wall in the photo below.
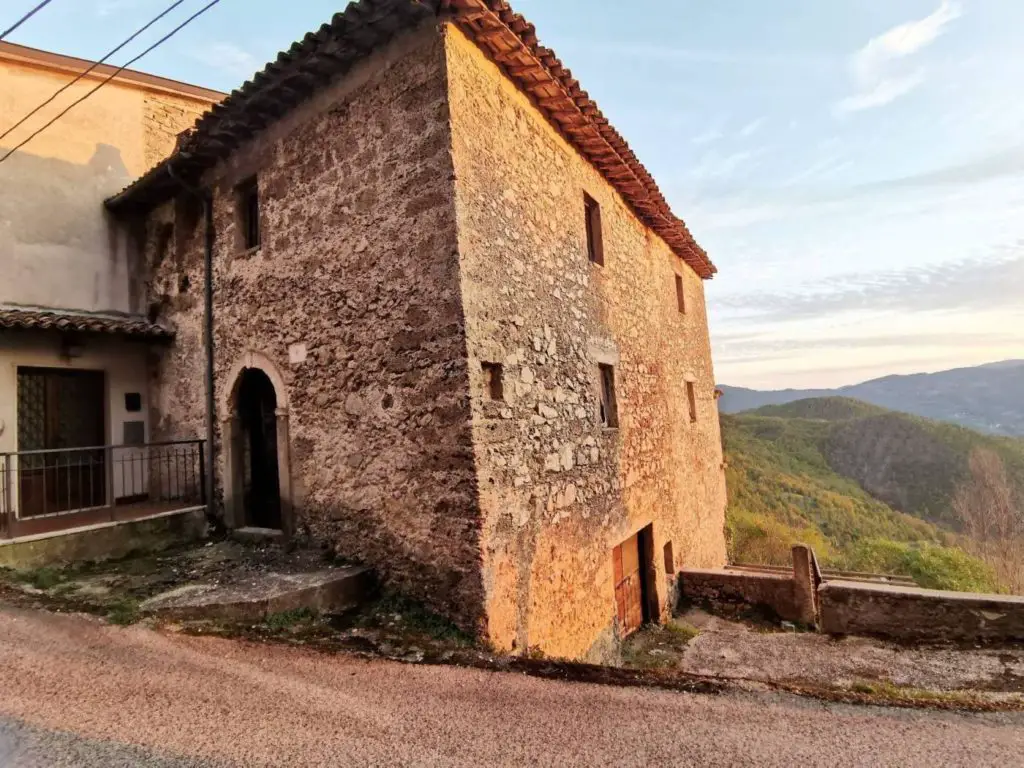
(914, 614)
(735, 592)
(788, 593)
(103, 541)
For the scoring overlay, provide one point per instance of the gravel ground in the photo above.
(731, 649)
(212, 701)
(25, 747)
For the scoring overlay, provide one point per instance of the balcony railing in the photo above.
(52, 490)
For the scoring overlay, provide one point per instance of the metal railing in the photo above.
(67, 482)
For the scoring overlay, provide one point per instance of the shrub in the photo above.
(931, 566)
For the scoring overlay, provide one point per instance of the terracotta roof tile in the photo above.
(503, 35)
(26, 318)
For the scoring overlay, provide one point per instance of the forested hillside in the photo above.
(870, 489)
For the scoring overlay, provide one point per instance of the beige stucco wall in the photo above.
(57, 247)
(558, 491)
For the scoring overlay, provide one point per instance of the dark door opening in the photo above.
(257, 406)
(58, 411)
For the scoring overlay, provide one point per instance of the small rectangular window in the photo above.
(595, 237)
(133, 402)
(249, 213)
(670, 561)
(609, 407)
(493, 379)
(680, 294)
(691, 396)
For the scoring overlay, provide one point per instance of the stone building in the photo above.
(459, 335)
(74, 336)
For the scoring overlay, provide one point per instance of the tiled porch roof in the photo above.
(70, 321)
(503, 35)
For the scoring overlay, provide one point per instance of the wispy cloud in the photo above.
(751, 128)
(970, 284)
(719, 165)
(707, 137)
(228, 58)
(878, 69)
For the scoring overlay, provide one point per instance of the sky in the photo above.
(855, 168)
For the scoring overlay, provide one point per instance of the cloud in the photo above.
(995, 165)
(966, 285)
(736, 347)
(228, 58)
(876, 70)
(715, 165)
(751, 128)
(882, 93)
(709, 136)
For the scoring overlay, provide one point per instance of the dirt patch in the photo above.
(730, 649)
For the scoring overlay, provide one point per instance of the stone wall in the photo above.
(914, 615)
(558, 491)
(733, 593)
(354, 299)
(164, 117)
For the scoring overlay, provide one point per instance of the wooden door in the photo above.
(60, 409)
(629, 591)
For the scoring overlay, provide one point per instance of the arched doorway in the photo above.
(256, 411)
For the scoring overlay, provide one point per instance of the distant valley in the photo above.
(988, 398)
(869, 488)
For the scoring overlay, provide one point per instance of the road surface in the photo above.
(76, 692)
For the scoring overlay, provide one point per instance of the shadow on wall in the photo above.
(56, 241)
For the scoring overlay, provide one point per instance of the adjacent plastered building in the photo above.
(75, 339)
(458, 333)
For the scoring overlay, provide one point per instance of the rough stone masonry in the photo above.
(423, 300)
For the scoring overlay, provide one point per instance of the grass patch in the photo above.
(658, 646)
(397, 612)
(891, 692)
(123, 612)
(289, 619)
(681, 631)
(44, 578)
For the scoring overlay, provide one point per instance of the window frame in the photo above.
(595, 231)
(680, 294)
(247, 200)
(691, 399)
(494, 381)
(609, 406)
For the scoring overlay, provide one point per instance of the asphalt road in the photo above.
(76, 692)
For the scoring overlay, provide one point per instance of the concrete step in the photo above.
(254, 598)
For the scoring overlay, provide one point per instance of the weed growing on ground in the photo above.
(42, 578)
(289, 619)
(883, 689)
(658, 646)
(404, 614)
(123, 612)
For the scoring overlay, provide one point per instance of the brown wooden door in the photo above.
(629, 593)
(59, 409)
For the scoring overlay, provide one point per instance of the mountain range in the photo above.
(988, 398)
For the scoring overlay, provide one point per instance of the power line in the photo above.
(25, 18)
(114, 74)
(63, 88)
